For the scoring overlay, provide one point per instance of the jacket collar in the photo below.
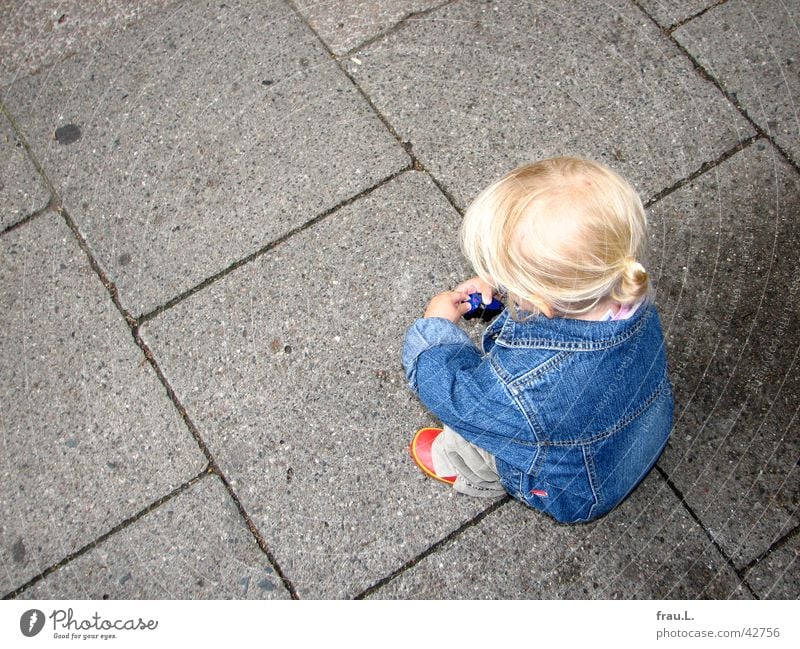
(541, 332)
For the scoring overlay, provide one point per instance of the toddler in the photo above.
(568, 405)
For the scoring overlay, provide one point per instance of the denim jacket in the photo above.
(575, 412)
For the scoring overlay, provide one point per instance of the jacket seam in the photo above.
(549, 343)
(591, 474)
(501, 373)
(523, 411)
(435, 345)
(660, 388)
(538, 371)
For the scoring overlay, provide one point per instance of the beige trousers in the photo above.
(475, 468)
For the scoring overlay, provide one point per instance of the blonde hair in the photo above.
(563, 233)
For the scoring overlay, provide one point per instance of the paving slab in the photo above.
(725, 259)
(672, 12)
(346, 24)
(753, 49)
(648, 548)
(194, 546)
(89, 436)
(777, 576)
(479, 88)
(197, 137)
(22, 191)
(290, 367)
(38, 33)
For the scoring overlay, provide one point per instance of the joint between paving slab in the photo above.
(777, 545)
(95, 265)
(394, 28)
(681, 23)
(213, 466)
(52, 206)
(100, 539)
(416, 163)
(738, 572)
(145, 317)
(262, 544)
(706, 166)
(34, 160)
(707, 76)
(54, 202)
(436, 546)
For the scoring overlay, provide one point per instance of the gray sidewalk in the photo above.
(218, 218)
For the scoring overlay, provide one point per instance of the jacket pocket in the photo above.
(562, 504)
(563, 487)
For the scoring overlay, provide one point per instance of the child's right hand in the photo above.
(450, 305)
(477, 285)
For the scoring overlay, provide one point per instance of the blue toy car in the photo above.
(483, 311)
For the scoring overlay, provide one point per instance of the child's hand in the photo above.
(450, 305)
(477, 285)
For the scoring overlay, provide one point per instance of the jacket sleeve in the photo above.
(425, 334)
(456, 382)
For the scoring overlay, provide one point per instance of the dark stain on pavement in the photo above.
(68, 134)
(18, 551)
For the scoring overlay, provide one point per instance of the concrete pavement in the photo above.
(218, 218)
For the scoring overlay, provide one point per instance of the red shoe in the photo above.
(421, 453)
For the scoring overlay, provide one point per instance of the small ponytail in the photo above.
(633, 283)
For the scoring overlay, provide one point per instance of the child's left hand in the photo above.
(450, 305)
